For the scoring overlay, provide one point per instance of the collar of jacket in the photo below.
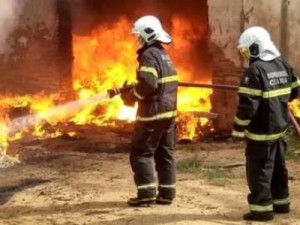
(145, 47)
(252, 60)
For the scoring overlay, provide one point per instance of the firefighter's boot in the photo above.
(281, 208)
(252, 216)
(141, 201)
(163, 201)
(166, 194)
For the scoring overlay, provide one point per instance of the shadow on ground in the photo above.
(6, 192)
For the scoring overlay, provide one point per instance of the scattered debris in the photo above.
(7, 161)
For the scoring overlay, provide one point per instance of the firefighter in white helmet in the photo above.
(262, 118)
(154, 133)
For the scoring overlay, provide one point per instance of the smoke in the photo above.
(10, 11)
(88, 14)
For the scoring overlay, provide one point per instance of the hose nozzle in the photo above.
(116, 91)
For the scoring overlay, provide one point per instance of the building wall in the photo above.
(35, 62)
(263, 13)
(225, 26)
(293, 33)
(227, 19)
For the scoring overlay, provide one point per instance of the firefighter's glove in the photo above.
(127, 94)
(128, 98)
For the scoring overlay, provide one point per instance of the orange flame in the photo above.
(104, 60)
(295, 107)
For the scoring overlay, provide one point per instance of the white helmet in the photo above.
(256, 42)
(150, 29)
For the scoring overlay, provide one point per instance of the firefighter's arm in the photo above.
(295, 85)
(147, 78)
(250, 94)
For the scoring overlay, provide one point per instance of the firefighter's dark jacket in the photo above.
(264, 93)
(156, 88)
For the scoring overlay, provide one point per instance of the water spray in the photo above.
(57, 113)
(62, 112)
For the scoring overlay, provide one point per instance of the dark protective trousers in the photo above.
(267, 176)
(154, 142)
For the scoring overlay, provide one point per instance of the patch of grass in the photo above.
(216, 173)
(293, 142)
(289, 155)
(217, 176)
(191, 165)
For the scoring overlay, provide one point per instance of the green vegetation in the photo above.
(215, 175)
(191, 165)
(293, 149)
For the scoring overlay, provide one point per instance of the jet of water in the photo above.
(57, 113)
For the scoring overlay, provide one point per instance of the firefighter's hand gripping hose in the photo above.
(122, 90)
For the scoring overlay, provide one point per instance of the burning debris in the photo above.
(7, 161)
(22, 122)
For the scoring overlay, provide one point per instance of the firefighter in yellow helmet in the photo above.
(262, 118)
(154, 133)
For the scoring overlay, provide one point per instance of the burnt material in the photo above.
(19, 111)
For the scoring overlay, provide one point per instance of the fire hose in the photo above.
(127, 88)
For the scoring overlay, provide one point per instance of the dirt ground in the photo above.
(62, 184)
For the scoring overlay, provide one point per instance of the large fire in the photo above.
(107, 58)
(104, 59)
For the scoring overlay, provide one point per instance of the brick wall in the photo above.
(36, 63)
(224, 102)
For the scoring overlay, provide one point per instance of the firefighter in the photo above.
(262, 118)
(154, 132)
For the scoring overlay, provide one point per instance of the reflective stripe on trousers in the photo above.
(260, 208)
(167, 186)
(283, 201)
(145, 186)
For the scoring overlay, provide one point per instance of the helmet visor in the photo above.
(134, 30)
(245, 52)
(164, 37)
